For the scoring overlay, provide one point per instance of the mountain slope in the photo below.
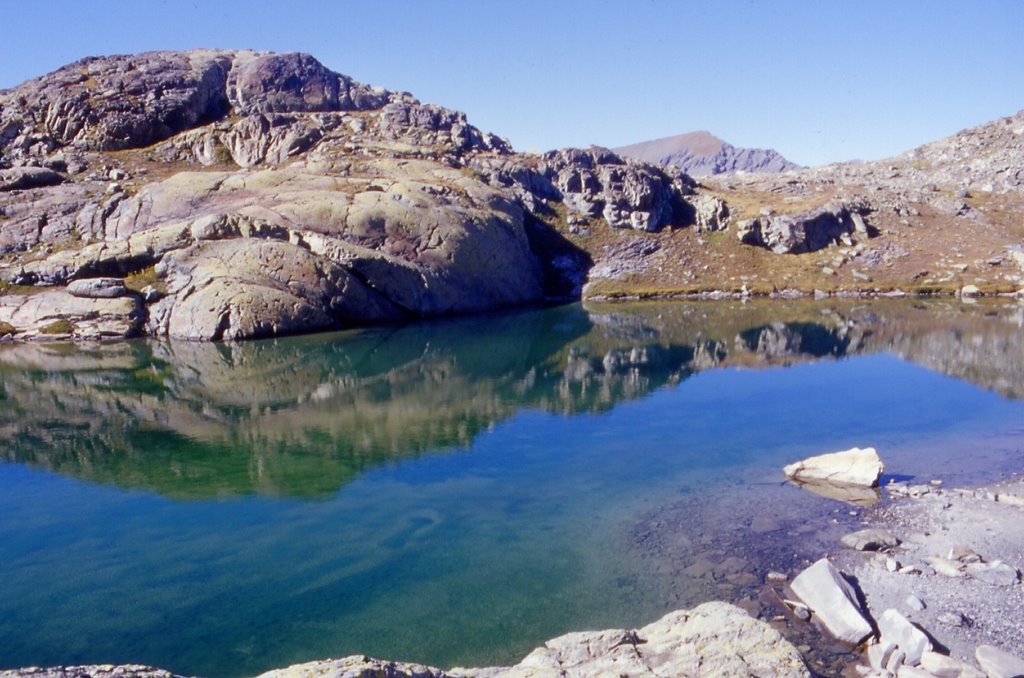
(703, 154)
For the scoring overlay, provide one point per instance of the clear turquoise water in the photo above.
(454, 492)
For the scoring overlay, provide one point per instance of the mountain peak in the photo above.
(701, 153)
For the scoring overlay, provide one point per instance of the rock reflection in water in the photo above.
(302, 416)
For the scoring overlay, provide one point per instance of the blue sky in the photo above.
(818, 81)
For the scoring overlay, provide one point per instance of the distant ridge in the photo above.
(702, 154)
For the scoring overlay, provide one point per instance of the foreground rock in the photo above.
(858, 467)
(713, 639)
(831, 598)
(998, 663)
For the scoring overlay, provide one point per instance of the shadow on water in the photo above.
(303, 416)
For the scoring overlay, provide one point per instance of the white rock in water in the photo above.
(895, 628)
(855, 466)
(997, 663)
(833, 600)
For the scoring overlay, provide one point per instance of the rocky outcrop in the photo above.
(322, 203)
(55, 314)
(805, 231)
(595, 183)
(701, 154)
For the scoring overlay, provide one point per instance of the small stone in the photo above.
(964, 554)
(879, 653)
(891, 564)
(777, 578)
(996, 573)
(954, 619)
(936, 482)
(915, 603)
(870, 540)
(946, 567)
(896, 660)
(941, 666)
(151, 294)
(998, 663)
(895, 628)
(909, 569)
(969, 291)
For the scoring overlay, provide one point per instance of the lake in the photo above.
(456, 492)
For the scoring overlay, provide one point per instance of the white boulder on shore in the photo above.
(831, 598)
(856, 466)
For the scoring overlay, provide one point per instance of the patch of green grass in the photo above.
(62, 326)
(136, 281)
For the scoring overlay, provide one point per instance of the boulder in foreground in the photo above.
(856, 466)
(713, 639)
(823, 588)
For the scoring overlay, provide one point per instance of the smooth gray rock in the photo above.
(98, 288)
(833, 600)
(996, 573)
(998, 663)
(896, 629)
(915, 603)
(21, 178)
